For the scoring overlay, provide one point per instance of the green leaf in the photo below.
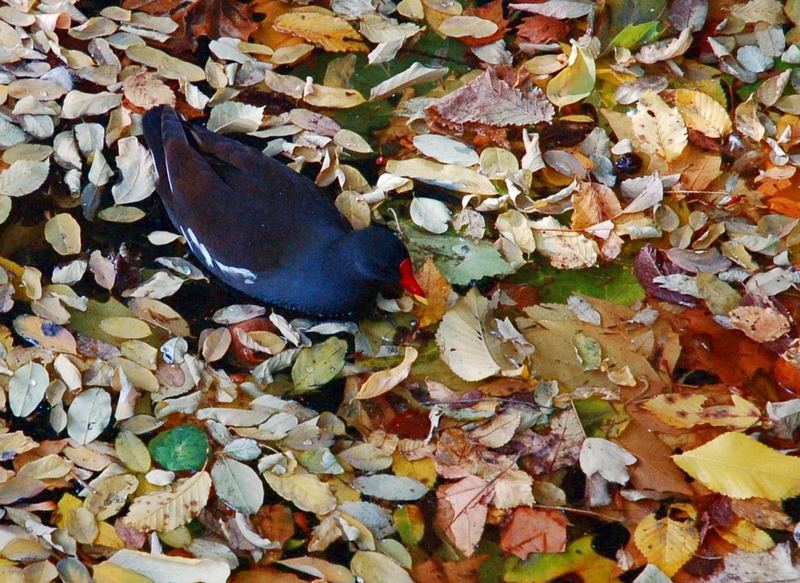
(580, 560)
(410, 524)
(627, 12)
(634, 35)
(460, 260)
(318, 365)
(183, 448)
(614, 282)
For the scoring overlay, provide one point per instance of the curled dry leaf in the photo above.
(384, 381)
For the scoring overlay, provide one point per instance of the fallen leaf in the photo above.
(666, 543)
(740, 467)
(384, 381)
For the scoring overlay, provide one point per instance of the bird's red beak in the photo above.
(407, 279)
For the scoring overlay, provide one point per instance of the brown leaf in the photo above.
(437, 291)
(461, 511)
(436, 571)
(540, 29)
(535, 530)
(594, 203)
(197, 18)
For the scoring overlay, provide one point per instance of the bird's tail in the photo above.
(162, 124)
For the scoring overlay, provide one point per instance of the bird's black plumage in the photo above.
(264, 229)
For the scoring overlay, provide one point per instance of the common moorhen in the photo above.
(267, 230)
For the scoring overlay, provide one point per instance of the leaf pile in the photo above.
(603, 383)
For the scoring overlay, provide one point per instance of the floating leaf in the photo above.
(659, 129)
(666, 543)
(304, 490)
(169, 569)
(328, 31)
(88, 416)
(318, 364)
(26, 388)
(182, 448)
(372, 567)
(238, 485)
(167, 510)
(64, 233)
(703, 113)
(740, 467)
(384, 381)
(575, 81)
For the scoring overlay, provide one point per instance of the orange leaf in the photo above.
(437, 290)
(535, 530)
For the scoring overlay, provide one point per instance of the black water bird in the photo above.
(266, 230)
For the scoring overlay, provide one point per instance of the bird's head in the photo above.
(379, 255)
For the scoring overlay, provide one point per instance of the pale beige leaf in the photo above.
(64, 233)
(658, 128)
(385, 380)
(166, 510)
(169, 569)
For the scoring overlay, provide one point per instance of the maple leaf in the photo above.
(490, 100)
(461, 511)
(198, 18)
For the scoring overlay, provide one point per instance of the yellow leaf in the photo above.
(686, 410)
(330, 32)
(166, 510)
(422, 470)
(107, 537)
(740, 467)
(703, 113)
(66, 506)
(575, 81)
(747, 536)
(666, 543)
(111, 573)
(447, 176)
(658, 128)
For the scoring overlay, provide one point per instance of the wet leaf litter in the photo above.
(600, 384)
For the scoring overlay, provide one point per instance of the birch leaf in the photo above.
(659, 129)
(703, 113)
(741, 467)
(462, 338)
(668, 544)
(167, 510)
